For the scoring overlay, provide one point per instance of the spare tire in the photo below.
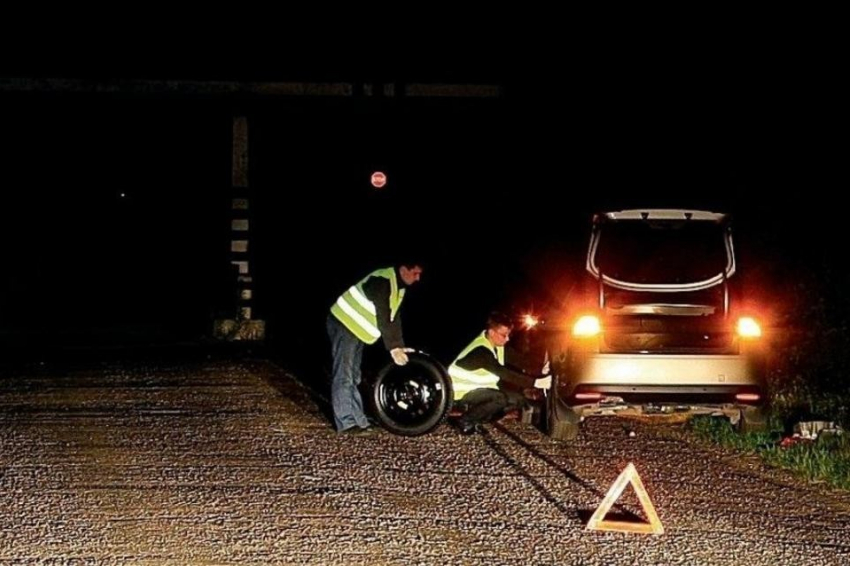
(412, 399)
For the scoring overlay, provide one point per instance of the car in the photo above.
(658, 327)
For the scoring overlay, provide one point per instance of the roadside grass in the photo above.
(825, 460)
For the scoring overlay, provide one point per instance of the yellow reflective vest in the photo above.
(357, 312)
(464, 380)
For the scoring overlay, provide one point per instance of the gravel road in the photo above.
(236, 463)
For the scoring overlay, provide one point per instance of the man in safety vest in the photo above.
(365, 312)
(483, 382)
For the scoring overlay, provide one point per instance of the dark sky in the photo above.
(497, 192)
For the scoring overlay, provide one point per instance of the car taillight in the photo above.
(747, 327)
(587, 326)
(589, 396)
(748, 397)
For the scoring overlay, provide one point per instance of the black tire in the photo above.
(562, 423)
(413, 399)
(753, 419)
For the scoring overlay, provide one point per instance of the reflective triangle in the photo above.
(629, 476)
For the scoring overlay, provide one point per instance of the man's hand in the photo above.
(543, 382)
(399, 356)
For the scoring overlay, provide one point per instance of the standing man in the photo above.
(365, 312)
(482, 381)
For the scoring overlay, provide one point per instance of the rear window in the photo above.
(661, 251)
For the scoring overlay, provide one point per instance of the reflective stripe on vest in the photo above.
(464, 380)
(358, 314)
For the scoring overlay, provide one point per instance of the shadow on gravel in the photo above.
(622, 513)
(621, 517)
(288, 385)
(311, 373)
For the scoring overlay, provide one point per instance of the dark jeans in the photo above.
(347, 352)
(485, 405)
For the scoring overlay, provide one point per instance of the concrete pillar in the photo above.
(242, 326)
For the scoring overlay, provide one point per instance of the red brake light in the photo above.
(748, 397)
(589, 396)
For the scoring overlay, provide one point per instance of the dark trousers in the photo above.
(485, 405)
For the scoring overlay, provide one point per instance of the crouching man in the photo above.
(483, 383)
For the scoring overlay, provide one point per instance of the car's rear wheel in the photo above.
(753, 419)
(412, 399)
(562, 422)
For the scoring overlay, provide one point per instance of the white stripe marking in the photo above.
(362, 322)
(362, 300)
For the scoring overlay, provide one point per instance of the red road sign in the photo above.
(379, 179)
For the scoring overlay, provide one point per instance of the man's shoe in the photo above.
(359, 431)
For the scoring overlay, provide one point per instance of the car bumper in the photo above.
(660, 370)
(668, 382)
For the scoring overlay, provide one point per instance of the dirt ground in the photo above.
(237, 463)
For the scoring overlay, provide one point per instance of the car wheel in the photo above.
(412, 399)
(562, 422)
(753, 419)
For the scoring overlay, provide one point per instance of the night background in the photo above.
(117, 199)
(138, 425)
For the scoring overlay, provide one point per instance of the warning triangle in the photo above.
(629, 476)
